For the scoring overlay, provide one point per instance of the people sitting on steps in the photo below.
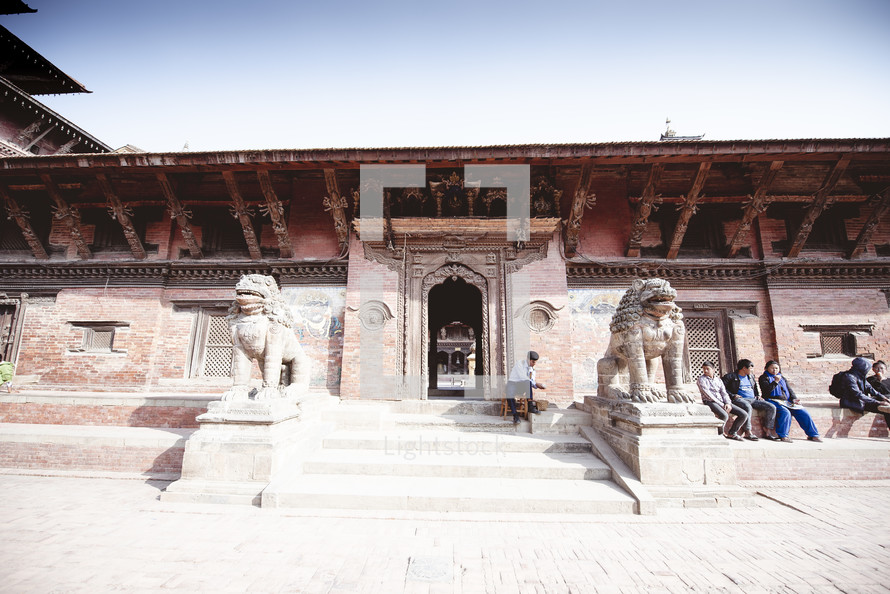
(776, 389)
(521, 383)
(743, 390)
(715, 397)
(856, 394)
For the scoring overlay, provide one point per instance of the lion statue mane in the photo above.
(262, 328)
(646, 326)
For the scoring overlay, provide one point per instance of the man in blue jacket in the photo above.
(742, 387)
(857, 394)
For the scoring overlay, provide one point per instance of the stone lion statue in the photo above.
(262, 330)
(646, 326)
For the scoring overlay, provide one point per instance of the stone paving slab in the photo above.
(99, 535)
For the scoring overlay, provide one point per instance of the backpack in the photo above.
(835, 388)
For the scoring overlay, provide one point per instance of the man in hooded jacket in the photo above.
(857, 394)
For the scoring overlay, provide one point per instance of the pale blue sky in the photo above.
(282, 74)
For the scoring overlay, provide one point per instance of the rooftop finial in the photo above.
(670, 134)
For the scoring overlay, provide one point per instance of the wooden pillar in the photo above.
(820, 201)
(21, 219)
(242, 213)
(755, 206)
(275, 210)
(180, 214)
(688, 209)
(68, 214)
(122, 215)
(643, 210)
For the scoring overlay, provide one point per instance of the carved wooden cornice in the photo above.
(755, 206)
(642, 211)
(68, 214)
(242, 214)
(162, 274)
(839, 273)
(688, 209)
(14, 211)
(182, 216)
(880, 212)
(821, 200)
(122, 214)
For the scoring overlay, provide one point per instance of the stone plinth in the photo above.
(242, 445)
(665, 444)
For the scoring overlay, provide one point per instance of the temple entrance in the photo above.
(455, 333)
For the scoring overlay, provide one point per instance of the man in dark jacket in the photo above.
(742, 388)
(857, 394)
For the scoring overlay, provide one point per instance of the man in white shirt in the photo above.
(521, 383)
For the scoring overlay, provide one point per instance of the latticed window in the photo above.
(217, 348)
(702, 343)
(96, 340)
(839, 340)
(98, 337)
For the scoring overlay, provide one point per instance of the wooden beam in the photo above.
(821, 200)
(879, 213)
(688, 209)
(275, 210)
(336, 205)
(68, 214)
(122, 215)
(583, 198)
(21, 219)
(181, 215)
(242, 213)
(642, 211)
(755, 206)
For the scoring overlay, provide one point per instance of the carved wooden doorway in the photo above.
(455, 302)
(455, 332)
(7, 334)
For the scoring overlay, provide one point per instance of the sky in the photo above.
(281, 74)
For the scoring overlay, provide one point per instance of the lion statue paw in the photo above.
(236, 393)
(680, 396)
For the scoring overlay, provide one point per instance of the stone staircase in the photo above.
(457, 456)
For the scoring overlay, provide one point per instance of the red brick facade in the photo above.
(769, 305)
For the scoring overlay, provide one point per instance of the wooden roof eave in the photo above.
(603, 153)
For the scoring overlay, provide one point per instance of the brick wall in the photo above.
(545, 280)
(369, 281)
(84, 414)
(74, 457)
(795, 307)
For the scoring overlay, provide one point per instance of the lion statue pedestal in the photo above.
(662, 433)
(250, 436)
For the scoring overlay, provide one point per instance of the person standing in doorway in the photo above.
(521, 384)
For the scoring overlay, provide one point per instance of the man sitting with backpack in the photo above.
(855, 393)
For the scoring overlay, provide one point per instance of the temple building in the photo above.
(117, 269)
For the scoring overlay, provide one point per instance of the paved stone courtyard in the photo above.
(65, 534)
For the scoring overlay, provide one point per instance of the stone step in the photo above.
(154, 452)
(460, 422)
(567, 421)
(851, 458)
(504, 442)
(491, 495)
(472, 462)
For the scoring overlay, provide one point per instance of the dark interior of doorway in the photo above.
(455, 324)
